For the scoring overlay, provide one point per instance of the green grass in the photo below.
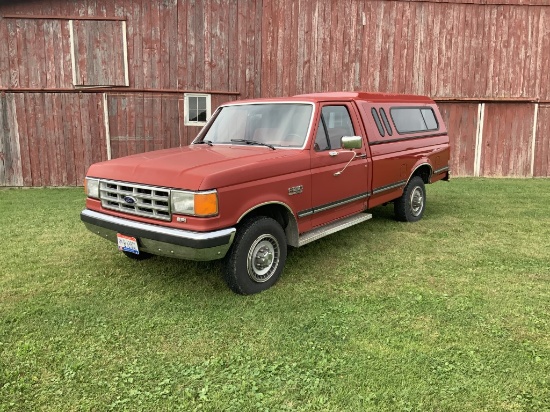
(447, 314)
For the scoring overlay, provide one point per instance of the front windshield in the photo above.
(277, 124)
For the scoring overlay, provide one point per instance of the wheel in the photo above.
(257, 256)
(141, 256)
(410, 206)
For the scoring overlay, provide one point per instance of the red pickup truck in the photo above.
(265, 174)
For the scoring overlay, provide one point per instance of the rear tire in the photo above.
(410, 206)
(257, 256)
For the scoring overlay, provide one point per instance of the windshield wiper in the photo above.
(208, 142)
(253, 142)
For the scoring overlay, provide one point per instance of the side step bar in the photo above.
(331, 228)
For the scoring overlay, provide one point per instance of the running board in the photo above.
(331, 228)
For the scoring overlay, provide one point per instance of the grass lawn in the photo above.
(447, 314)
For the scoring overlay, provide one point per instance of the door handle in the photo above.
(361, 156)
(332, 153)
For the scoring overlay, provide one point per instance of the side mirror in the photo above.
(352, 142)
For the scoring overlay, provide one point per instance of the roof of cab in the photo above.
(347, 96)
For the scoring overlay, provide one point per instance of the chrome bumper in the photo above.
(161, 240)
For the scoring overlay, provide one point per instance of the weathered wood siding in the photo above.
(462, 120)
(60, 135)
(507, 140)
(486, 62)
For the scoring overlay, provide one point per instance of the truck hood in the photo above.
(202, 167)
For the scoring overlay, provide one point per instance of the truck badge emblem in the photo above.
(130, 200)
(295, 190)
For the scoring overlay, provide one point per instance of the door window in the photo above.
(335, 122)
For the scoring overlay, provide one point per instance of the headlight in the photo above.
(195, 203)
(91, 187)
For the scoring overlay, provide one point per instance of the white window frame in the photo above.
(208, 97)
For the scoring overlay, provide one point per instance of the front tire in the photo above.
(410, 206)
(257, 257)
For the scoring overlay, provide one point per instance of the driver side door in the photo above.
(337, 195)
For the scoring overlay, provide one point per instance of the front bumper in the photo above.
(161, 240)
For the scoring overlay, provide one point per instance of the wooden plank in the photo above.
(292, 69)
(4, 54)
(395, 83)
(66, 130)
(300, 46)
(58, 138)
(485, 50)
(73, 108)
(157, 74)
(62, 50)
(336, 52)
(474, 53)
(148, 124)
(112, 113)
(45, 138)
(10, 154)
(403, 48)
(411, 51)
(97, 129)
(13, 54)
(524, 51)
(349, 45)
(239, 53)
(52, 39)
(21, 120)
(284, 53)
(204, 75)
(543, 68)
(181, 46)
(191, 51)
(168, 12)
(25, 57)
(35, 129)
(217, 56)
(85, 135)
(259, 19)
(268, 51)
(134, 43)
(39, 70)
(532, 52)
(308, 50)
(358, 47)
(542, 143)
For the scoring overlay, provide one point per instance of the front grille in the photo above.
(147, 201)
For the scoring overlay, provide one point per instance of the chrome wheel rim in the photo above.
(417, 201)
(263, 258)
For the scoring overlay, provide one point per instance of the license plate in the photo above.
(127, 243)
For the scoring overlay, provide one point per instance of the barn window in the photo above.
(98, 51)
(197, 109)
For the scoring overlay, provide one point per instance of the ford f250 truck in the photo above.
(266, 174)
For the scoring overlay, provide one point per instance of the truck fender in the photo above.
(268, 209)
(422, 168)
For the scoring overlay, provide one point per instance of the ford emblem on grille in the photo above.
(130, 200)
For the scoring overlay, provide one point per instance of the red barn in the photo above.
(88, 80)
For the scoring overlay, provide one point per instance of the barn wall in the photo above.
(487, 64)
